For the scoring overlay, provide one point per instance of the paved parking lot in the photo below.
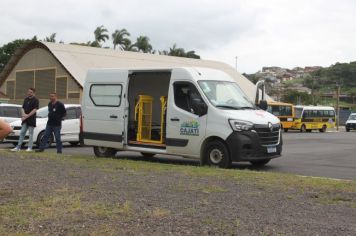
(331, 154)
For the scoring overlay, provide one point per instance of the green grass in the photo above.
(20, 213)
(262, 178)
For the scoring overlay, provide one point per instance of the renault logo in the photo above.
(270, 126)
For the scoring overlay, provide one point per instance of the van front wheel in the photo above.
(216, 154)
(104, 152)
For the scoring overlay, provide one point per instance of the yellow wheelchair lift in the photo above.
(143, 116)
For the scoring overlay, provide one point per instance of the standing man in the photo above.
(29, 109)
(56, 112)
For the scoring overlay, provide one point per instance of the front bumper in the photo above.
(246, 146)
(350, 126)
(15, 136)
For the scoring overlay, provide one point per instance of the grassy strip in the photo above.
(267, 179)
(26, 214)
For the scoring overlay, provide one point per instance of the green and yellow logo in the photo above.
(189, 128)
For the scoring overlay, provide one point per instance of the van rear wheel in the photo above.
(104, 152)
(217, 154)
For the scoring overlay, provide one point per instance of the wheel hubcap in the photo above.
(102, 149)
(216, 156)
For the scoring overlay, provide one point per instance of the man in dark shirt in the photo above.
(29, 109)
(56, 112)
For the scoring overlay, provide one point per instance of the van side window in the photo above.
(108, 95)
(184, 93)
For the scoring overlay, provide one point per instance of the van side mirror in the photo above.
(199, 107)
(263, 105)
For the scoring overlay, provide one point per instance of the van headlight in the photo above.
(240, 125)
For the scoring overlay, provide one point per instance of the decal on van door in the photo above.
(189, 128)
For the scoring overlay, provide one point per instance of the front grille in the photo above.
(268, 136)
(351, 125)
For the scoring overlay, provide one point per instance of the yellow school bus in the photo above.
(308, 118)
(285, 113)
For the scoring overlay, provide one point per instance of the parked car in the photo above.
(351, 122)
(69, 132)
(10, 112)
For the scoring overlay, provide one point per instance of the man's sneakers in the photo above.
(15, 149)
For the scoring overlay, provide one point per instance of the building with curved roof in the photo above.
(62, 68)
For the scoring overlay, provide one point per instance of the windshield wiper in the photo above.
(227, 106)
(251, 108)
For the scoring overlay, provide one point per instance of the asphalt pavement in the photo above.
(331, 154)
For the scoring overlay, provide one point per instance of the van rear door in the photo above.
(104, 109)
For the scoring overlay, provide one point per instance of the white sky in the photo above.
(259, 32)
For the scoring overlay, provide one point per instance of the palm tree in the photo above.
(100, 34)
(174, 51)
(51, 38)
(180, 52)
(191, 54)
(143, 45)
(119, 38)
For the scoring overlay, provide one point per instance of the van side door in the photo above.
(185, 125)
(104, 111)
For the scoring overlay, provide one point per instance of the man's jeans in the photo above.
(56, 130)
(23, 132)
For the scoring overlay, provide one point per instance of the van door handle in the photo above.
(174, 119)
(113, 116)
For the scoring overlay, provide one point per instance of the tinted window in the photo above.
(71, 114)
(79, 112)
(280, 110)
(184, 93)
(11, 112)
(298, 112)
(106, 94)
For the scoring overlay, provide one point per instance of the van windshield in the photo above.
(352, 117)
(225, 95)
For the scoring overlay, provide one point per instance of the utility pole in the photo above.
(338, 105)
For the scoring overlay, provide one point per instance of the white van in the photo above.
(191, 112)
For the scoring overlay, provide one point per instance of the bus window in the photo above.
(298, 112)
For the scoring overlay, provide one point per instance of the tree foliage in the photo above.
(180, 52)
(101, 35)
(343, 74)
(7, 50)
(120, 37)
(296, 97)
(51, 38)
